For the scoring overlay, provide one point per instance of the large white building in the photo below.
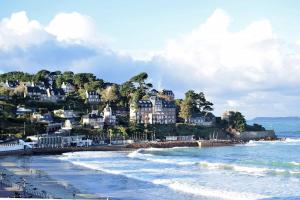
(153, 111)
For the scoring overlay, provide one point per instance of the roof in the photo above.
(33, 89)
(92, 92)
(153, 92)
(92, 116)
(58, 91)
(12, 83)
(167, 92)
(144, 103)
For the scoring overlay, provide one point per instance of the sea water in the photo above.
(256, 170)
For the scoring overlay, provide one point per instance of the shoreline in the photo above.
(19, 180)
(129, 147)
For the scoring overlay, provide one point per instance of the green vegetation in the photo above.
(194, 104)
(119, 96)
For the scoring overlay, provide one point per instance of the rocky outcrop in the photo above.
(257, 135)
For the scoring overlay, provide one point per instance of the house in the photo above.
(202, 120)
(35, 93)
(153, 111)
(108, 116)
(12, 84)
(52, 127)
(66, 114)
(54, 95)
(70, 124)
(169, 94)
(124, 112)
(68, 87)
(93, 120)
(42, 118)
(23, 111)
(92, 97)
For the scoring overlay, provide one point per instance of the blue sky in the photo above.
(136, 24)
(245, 55)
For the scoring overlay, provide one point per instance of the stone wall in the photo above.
(257, 135)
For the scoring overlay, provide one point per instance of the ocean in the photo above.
(257, 170)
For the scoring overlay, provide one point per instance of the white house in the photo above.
(68, 87)
(55, 95)
(66, 114)
(109, 118)
(92, 97)
(93, 120)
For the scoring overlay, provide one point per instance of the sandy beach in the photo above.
(17, 173)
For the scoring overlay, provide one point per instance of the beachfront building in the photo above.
(153, 111)
(65, 114)
(92, 97)
(108, 116)
(68, 87)
(93, 120)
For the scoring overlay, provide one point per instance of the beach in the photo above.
(17, 172)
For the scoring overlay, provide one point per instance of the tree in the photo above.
(6, 91)
(140, 81)
(58, 81)
(123, 131)
(68, 75)
(16, 75)
(41, 75)
(110, 94)
(185, 110)
(94, 85)
(81, 78)
(237, 121)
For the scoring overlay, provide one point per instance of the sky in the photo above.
(245, 55)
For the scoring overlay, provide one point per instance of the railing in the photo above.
(11, 147)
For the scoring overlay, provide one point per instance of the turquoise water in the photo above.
(257, 170)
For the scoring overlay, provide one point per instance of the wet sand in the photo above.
(16, 174)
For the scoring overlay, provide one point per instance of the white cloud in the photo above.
(72, 27)
(251, 70)
(19, 31)
(230, 66)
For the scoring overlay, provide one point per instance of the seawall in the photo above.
(171, 144)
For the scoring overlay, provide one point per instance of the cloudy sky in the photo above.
(245, 55)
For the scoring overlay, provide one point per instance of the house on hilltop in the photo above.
(68, 87)
(92, 97)
(153, 111)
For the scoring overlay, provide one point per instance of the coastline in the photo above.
(129, 147)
